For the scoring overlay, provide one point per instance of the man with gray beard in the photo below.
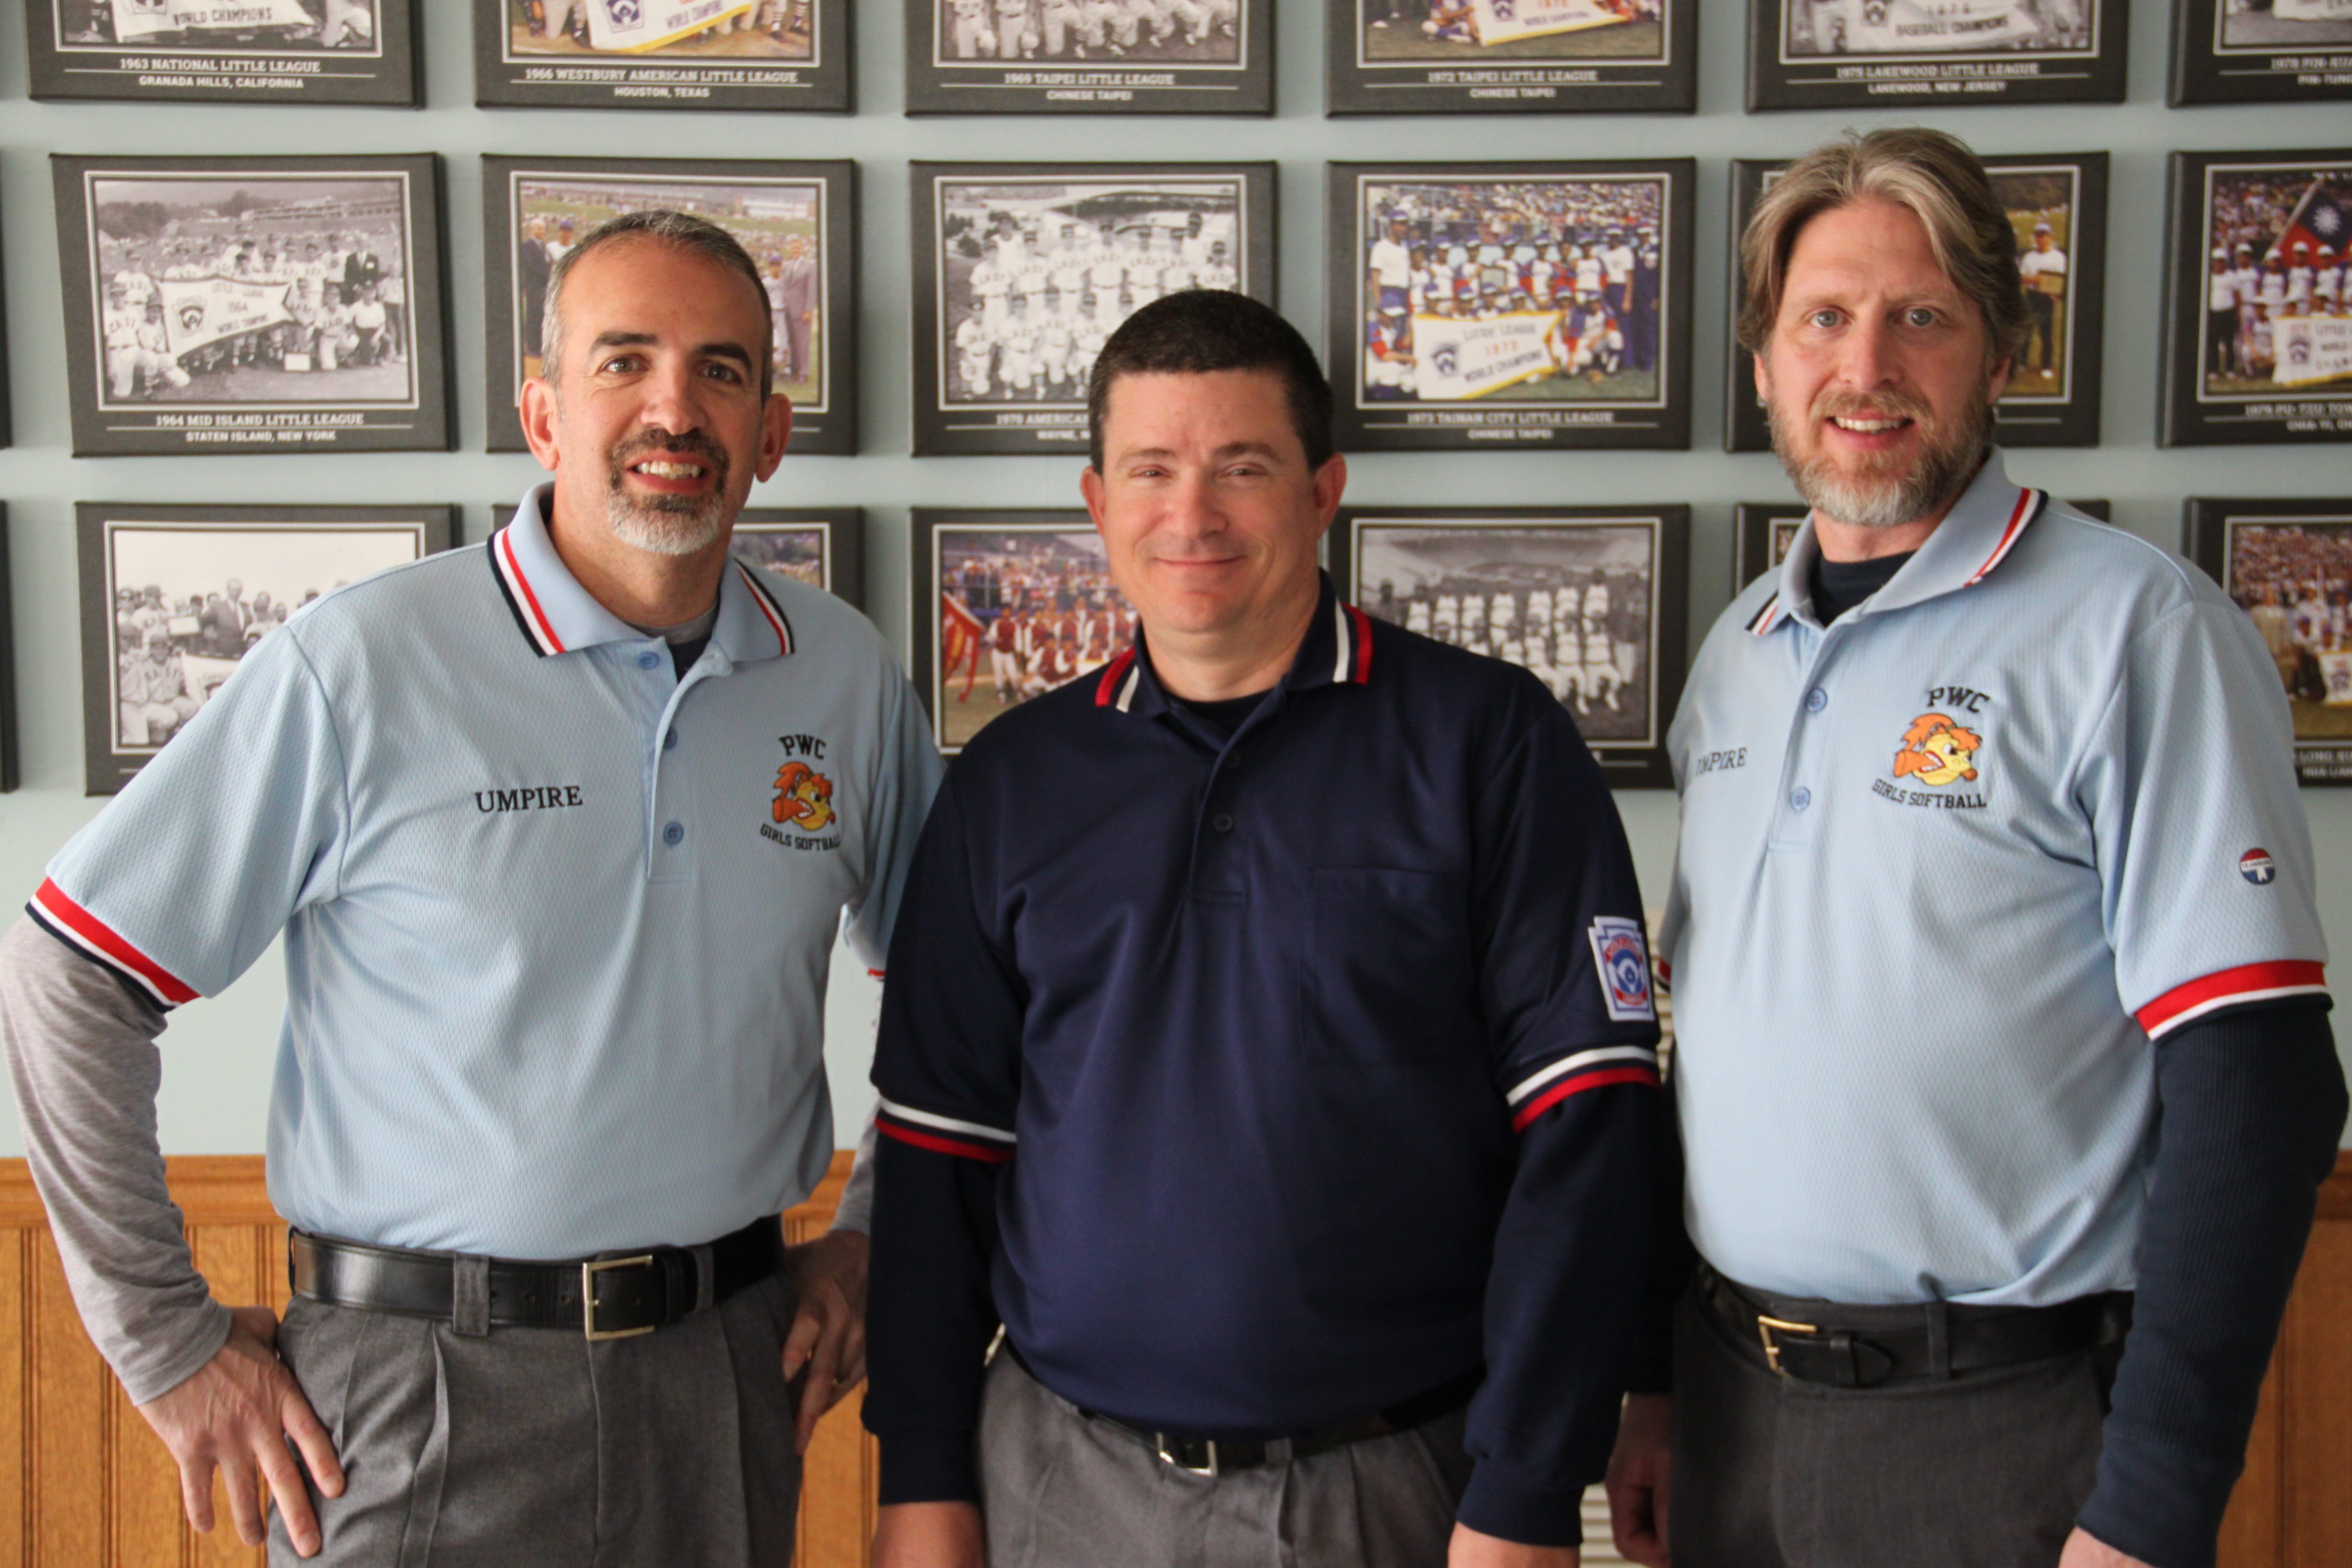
(1992, 859)
(559, 831)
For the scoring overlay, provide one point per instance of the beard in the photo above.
(1890, 488)
(664, 524)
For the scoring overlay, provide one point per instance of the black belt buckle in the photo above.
(1766, 1327)
(589, 1272)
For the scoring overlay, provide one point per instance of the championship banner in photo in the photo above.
(1506, 21)
(202, 675)
(1459, 359)
(138, 19)
(2309, 349)
(203, 310)
(631, 26)
(1906, 27)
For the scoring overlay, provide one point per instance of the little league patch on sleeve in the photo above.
(1624, 960)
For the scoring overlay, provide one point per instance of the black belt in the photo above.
(1868, 1347)
(610, 1296)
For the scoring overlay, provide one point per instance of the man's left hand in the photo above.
(1469, 1549)
(2085, 1550)
(828, 1333)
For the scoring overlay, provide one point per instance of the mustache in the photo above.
(1835, 404)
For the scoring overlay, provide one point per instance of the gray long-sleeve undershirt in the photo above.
(82, 1054)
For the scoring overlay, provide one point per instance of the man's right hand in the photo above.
(236, 1415)
(1639, 1471)
(930, 1535)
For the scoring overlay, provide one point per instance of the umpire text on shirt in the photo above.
(559, 832)
(1269, 1049)
(1991, 861)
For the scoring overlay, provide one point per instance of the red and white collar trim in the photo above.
(521, 597)
(2027, 507)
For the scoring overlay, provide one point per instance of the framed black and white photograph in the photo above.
(1023, 271)
(798, 221)
(2057, 206)
(2289, 564)
(2261, 51)
(768, 55)
(240, 305)
(225, 51)
(1948, 54)
(1477, 306)
(174, 596)
(1004, 606)
(2258, 329)
(1589, 600)
(824, 546)
(1089, 57)
(1764, 530)
(1510, 56)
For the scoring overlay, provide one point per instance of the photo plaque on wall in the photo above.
(2057, 206)
(1089, 57)
(1478, 307)
(1933, 54)
(824, 546)
(219, 306)
(2258, 329)
(797, 220)
(770, 55)
(174, 596)
(1022, 271)
(9, 765)
(1510, 56)
(2261, 51)
(1588, 600)
(225, 51)
(2288, 563)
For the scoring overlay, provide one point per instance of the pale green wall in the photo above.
(218, 1052)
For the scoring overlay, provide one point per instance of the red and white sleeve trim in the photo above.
(79, 929)
(943, 1134)
(2230, 988)
(1547, 1085)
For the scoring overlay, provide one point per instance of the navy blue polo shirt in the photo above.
(1250, 1030)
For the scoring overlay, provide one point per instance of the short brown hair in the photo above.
(1932, 175)
(1200, 331)
(683, 231)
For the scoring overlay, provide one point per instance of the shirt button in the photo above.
(1816, 700)
(1800, 797)
(1222, 822)
(648, 660)
(669, 742)
(673, 835)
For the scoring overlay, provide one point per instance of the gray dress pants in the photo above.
(1987, 1470)
(535, 1449)
(1062, 1490)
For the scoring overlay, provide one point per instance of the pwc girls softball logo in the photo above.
(1936, 750)
(804, 797)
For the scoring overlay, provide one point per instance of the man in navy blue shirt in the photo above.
(1268, 1048)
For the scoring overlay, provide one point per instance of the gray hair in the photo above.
(696, 236)
(1932, 175)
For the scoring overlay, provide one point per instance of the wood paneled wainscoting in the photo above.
(84, 1484)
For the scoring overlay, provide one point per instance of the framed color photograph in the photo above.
(238, 305)
(1006, 606)
(824, 546)
(1510, 56)
(1914, 54)
(1588, 599)
(225, 51)
(1765, 529)
(1089, 57)
(2258, 329)
(2261, 51)
(2057, 207)
(1473, 306)
(770, 55)
(798, 221)
(2289, 564)
(1022, 271)
(172, 596)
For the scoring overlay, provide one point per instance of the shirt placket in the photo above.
(669, 821)
(1809, 756)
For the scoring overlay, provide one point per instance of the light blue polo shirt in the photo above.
(557, 921)
(1946, 868)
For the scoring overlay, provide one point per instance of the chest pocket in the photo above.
(1386, 972)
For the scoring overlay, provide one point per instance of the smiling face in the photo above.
(655, 424)
(1875, 372)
